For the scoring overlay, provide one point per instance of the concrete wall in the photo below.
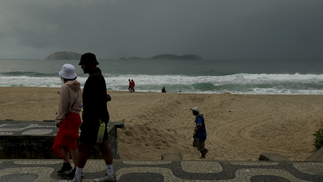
(40, 146)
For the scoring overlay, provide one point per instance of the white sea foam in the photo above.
(26, 81)
(238, 83)
(239, 79)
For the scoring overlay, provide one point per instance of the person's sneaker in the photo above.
(106, 178)
(65, 168)
(71, 174)
(72, 180)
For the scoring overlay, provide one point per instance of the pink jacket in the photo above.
(70, 93)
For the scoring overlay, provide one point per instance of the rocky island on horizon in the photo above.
(67, 55)
(166, 57)
(64, 55)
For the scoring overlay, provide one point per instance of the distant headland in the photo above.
(64, 55)
(167, 57)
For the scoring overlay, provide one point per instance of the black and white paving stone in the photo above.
(30, 128)
(27, 128)
(184, 171)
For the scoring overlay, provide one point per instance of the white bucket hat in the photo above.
(68, 71)
(195, 109)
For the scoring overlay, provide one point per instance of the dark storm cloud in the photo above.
(209, 28)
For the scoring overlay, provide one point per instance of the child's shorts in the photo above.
(200, 145)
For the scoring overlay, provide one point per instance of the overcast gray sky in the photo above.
(212, 29)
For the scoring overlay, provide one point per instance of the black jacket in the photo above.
(95, 98)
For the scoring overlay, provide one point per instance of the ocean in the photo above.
(287, 77)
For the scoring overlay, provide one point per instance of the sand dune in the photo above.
(239, 127)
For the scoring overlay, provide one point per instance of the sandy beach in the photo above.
(239, 127)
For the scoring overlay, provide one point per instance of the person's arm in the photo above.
(197, 131)
(199, 126)
(63, 104)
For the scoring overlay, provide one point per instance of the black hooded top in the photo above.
(95, 98)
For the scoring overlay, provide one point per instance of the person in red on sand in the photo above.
(133, 86)
(68, 118)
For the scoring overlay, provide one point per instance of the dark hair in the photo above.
(65, 80)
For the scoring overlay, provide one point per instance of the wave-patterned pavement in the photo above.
(46, 171)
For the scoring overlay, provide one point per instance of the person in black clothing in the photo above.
(130, 84)
(163, 90)
(95, 117)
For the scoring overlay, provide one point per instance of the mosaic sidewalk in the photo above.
(32, 128)
(158, 171)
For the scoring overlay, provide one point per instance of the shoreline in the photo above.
(239, 126)
(126, 91)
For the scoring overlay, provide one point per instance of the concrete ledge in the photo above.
(172, 157)
(317, 156)
(273, 157)
(117, 124)
(48, 120)
(27, 147)
(14, 144)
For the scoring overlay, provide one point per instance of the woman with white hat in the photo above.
(68, 118)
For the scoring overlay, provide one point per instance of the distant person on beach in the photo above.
(68, 118)
(133, 85)
(163, 90)
(130, 84)
(200, 132)
(95, 118)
